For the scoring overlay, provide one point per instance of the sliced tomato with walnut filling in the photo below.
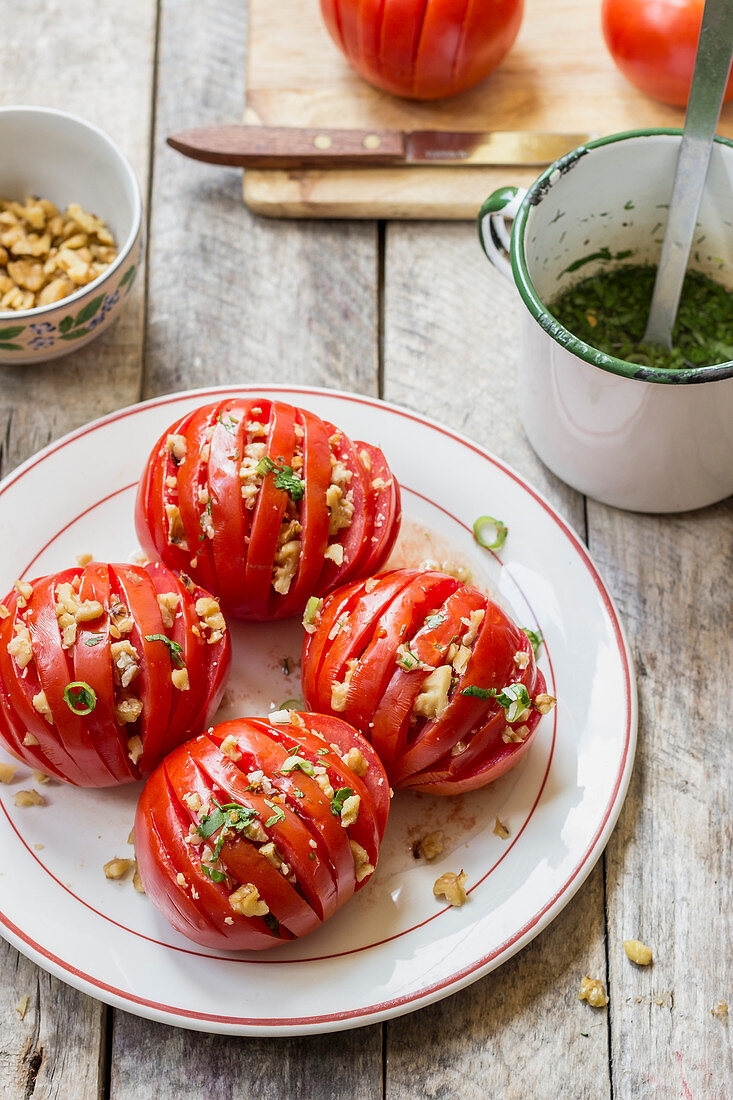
(266, 504)
(105, 668)
(437, 676)
(256, 832)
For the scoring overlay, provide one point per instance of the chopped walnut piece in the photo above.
(40, 777)
(30, 739)
(544, 703)
(521, 658)
(176, 530)
(339, 691)
(24, 590)
(362, 866)
(128, 709)
(500, 829)
(350, 810)
(286, 561)
(134, 748)
(433, 697)
(324, 782)
(638, 952)
(340, 507)
(429, 847)
(370, 584)
(230, 748)
(7, 772)
(247, 901)
(592, 991)
(179, 679)
(452, 888)
(335, 553)
(354, 760)
(211, 618)
(4, 612)
(19, 647)
(22, 1006)
(193, 801)
(117, 868)
(511, 735)
(126, 662)
(168, 602)
(29, 798)
(137, 882)
(474, 622)
(84, 559)
(720, 1010)
(40, 703)
(176, 446)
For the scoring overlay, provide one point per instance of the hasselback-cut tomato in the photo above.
(435, 674)
(105, 668)
(423, 49)
(266, 504)
(256, 832)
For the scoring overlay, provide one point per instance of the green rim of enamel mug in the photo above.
(550, 324)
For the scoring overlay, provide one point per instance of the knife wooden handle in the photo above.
(287, 147)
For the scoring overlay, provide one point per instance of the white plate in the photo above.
(394, 948)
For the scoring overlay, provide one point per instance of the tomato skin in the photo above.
(423, 49)
(654, 42)
(352, 669)
(215, 514)
(289, 810)
(93, 750)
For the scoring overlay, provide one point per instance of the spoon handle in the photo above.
(712, 64)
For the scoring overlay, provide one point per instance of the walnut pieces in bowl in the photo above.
(45, 255)
(65, 273)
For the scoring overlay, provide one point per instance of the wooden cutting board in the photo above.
(557, 76)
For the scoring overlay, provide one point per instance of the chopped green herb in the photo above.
(175, 649)
(610, 309)
(277, 817)
(433, 621)
(212, 873)
(230, 816)
(535, 638)
(485, 527)
(94, 639)
(337, 802)
(80, 698)
(298, 793)
(272, 923)
(312, 855)
(584, 1034)
(479, 693)
(294, 762)
(285, 478)
(292, 752)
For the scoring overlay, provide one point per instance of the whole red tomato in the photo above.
(438, 677)
(654, 42)
(256, 832)
(423, 49)
(104, 669)
(266, 504)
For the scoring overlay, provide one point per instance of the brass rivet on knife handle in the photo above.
(290, 147)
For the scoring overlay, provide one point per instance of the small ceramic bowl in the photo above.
(58, 156)
(642, 438)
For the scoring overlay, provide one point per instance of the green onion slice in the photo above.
(485, 527)
(535, 639)
(337, 802)
(294, 762)
(79, 697)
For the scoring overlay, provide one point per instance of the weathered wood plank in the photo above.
(450, 352)
(669, 881)
(235, 299)
(59, 53)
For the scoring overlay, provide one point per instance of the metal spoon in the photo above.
(712, 64)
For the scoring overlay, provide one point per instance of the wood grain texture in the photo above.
(669, 859)
(39, 403)
(56, 53)
(234, 298)
(450, 351)
(557, 76)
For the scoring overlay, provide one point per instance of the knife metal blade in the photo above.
(286, 147)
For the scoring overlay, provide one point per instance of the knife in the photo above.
(291, 147)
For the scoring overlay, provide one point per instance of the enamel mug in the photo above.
(642, 438)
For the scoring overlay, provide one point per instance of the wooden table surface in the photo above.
(413, 313)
